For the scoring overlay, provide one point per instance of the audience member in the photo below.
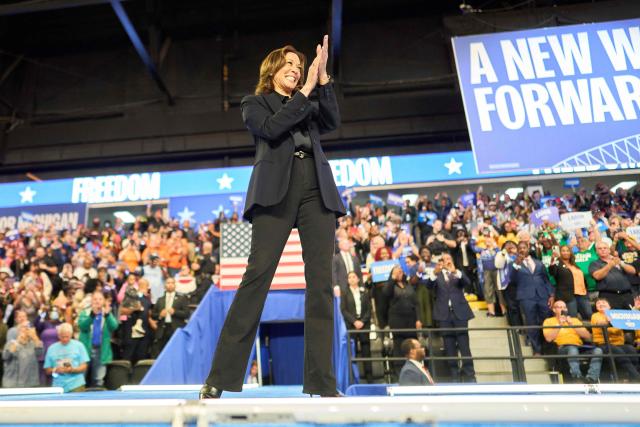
(66, 361)
(570, 342)
(413, 371)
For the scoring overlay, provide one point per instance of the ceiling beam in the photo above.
(139, 47)
(43, 6)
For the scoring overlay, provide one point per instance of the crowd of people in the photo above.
(486, 247)
(71, 301)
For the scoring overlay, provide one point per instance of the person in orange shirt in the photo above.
(570, 342)
(616, 341)
(176, 255)
(130, 255)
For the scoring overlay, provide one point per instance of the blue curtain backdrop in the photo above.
(186, 359)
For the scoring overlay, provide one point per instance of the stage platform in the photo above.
(450, 406)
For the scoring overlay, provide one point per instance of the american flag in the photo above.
(235, 244)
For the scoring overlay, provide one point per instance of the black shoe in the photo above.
(589, 380)
(209, 392)
(334, 394)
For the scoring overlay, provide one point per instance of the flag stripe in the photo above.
(234, 252)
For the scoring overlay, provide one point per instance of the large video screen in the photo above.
(563, 97)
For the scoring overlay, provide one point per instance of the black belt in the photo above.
(302, 154)
(616, 292)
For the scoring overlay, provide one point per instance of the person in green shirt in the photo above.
(584, 257)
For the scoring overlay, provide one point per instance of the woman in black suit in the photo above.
(403, 310)
(291, 185)
(452, 311)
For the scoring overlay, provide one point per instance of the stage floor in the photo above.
(450, 406)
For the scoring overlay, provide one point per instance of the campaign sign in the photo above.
(575, 220)
(547, 214)
(468, 199)
(559, 97)
(634, 232)
(67, 216)
(624, 319)
(381, 270)
(394, 200)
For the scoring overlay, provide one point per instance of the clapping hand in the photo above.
(322, 52)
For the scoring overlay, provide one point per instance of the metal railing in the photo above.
(516, 355)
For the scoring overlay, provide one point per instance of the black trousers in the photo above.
(302, 206)
(454, 342)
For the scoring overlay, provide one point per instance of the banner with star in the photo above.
(203, 209)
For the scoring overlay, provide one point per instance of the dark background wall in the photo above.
(76, 99)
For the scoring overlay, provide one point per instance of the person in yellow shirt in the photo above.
(616, 341)
(570, 342)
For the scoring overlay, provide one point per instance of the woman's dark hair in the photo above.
(572, 257)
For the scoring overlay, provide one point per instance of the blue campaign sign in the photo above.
(624, 319)
(381, 270)
(571, 183)
(65, 216)
(202, 209)
(561, 97)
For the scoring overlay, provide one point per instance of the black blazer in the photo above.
(270, 122)
(179, 317)
(348, 308)
(452, 290)
(564, 281)
(339, 270)
(403, 305)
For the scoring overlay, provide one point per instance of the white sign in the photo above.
(634, 232)
(116, 188)
(362, 172)
(575, 220)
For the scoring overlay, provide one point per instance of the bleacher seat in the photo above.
(140, 370)
(118, 374)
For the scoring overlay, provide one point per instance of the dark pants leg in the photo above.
(535, 311)
(365, 351)
(514, 316)
(271, 228)
(316, 226)
(457, 342)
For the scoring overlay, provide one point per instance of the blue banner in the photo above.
(203, 209)
(59, 216)
(381, 270)
(547, 214)
(624, 319)
(562, 97)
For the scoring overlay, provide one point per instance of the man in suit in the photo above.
(343, 264)
(452, 310)
(414, 372)
(534, 292)
(355, 305)
(291, 185)
(170, 311)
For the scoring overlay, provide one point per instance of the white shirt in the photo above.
(422, 369)
(348, 261)
(356, 297)
(168, 303)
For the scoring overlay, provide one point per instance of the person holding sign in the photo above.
(616, 341)
(291, 185)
